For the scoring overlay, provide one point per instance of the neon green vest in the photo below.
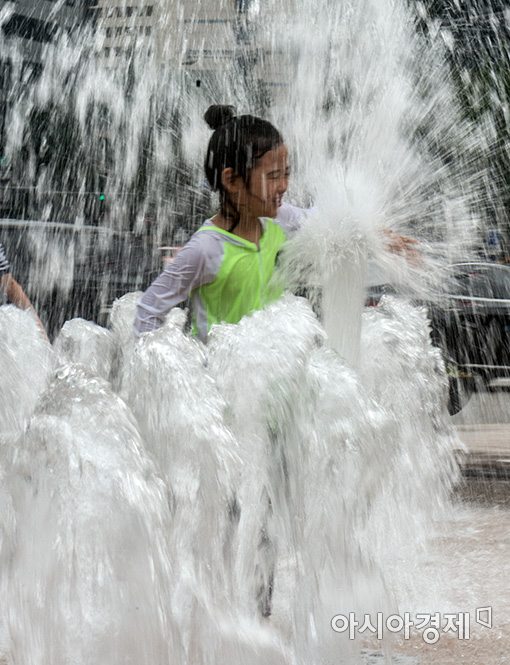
(243, 283)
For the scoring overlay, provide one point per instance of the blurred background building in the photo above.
(203, 40)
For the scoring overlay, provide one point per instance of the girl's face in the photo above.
(268, 182)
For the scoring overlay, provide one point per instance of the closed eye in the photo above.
(274, 175)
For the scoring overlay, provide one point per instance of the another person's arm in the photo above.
(14, 291)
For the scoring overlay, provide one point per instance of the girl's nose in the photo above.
(283, 184)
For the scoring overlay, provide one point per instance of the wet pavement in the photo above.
(466, 567)
(467, 563)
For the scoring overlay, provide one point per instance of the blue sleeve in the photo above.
(290, 217)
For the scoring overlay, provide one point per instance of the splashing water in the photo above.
(265, 463)
(26, 361)
(90, 573)
(176, 503)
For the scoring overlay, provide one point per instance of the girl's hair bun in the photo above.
(218, 115)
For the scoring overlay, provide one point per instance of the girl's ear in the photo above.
(231, 181)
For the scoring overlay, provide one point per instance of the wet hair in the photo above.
(237, 143)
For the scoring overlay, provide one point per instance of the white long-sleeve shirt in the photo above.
(197, 264)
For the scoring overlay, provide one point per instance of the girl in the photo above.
(227, 265)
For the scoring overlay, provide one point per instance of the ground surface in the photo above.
(468, 565)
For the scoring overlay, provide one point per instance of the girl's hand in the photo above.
(404, 245)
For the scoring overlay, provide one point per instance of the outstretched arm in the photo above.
(290, 218)
(191, 268)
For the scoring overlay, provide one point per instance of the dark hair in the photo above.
(237, 143)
